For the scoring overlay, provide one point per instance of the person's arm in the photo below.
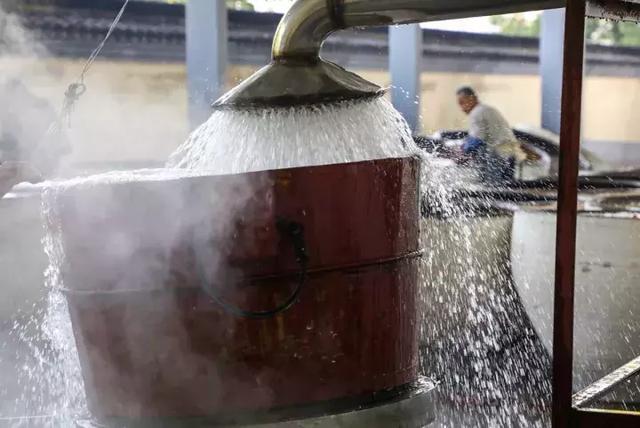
(471, 142)
(12, 173)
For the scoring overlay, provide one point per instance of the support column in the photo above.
(562, 414)
(405, 65)
(206, 44)
(551, 51)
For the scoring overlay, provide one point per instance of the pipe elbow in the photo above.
(308, 23)
(303, 29)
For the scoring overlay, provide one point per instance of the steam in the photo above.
(49, 385)
(148, 219)
(15, 39)
(24, 116)
(130, 230)
(114, 125)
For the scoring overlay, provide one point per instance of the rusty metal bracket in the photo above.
(606, 384)
(568, 410)
(570, 135)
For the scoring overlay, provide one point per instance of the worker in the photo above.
(490, 144)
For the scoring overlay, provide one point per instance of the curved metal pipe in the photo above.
(303, 29)
(298, 76)
(308, 23)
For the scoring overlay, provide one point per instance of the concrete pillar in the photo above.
(405, 65)
(206, 34)
(551, 55)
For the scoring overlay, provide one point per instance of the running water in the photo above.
(50, 377)
(273, 138)
(476, 337)
(459, 282)
(229, 142)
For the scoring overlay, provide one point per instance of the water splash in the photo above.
(52, 393)
(273, 138)
(467, 346)
(476, 338)
(49, 373)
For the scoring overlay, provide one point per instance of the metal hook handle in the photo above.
(295, 232)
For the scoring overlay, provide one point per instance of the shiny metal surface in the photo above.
(309, 22)
(297, 75)
(389, 12)
(296, 82)
(306, 25)
(303, 29)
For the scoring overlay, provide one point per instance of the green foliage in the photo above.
(613, 32)
(597, 30)
(517, 25)
(240, 4)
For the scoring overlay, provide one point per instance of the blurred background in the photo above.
(135, 110)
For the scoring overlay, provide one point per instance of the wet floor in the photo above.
(449, 414)
(496, 380)
(522, 402)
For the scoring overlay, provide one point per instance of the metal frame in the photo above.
(566, 412)
(606, 384)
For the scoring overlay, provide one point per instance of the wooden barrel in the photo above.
(170, 284)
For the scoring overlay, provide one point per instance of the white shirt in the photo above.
(487, 124)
